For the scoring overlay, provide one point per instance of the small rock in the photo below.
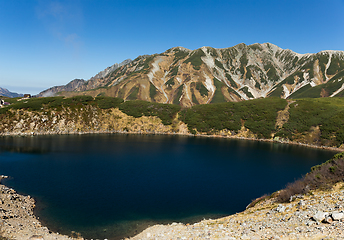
(280, 208)
(337, 216)
(328, 219)
(302, 203)
(320, 216)
(36, 237)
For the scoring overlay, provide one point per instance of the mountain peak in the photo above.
(210, 75)
(6, 93)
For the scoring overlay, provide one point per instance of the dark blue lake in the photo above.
(113, 186)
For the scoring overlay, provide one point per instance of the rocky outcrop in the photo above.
(88, 119)
(110, 69)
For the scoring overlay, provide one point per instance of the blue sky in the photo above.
(46, 43)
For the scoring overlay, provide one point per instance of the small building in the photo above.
(27, 95)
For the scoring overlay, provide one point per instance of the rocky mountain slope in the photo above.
(71, 86)
(210, 75)
(6, 93)
(79, 84)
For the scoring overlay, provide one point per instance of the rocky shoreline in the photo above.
(25, 134)
(317, 215)
(17, 220)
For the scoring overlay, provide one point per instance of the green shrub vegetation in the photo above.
(152, 91)
(322, 177)
(325, 113)
(170, 83)
(202, 89)
(138, 108)
(243, 63)
(179, 54)
(38, 104)
(277, 92)
(271, 71)
(309, 67)
(255, 47)
(231, 81)
(212, 51)
(336, 64)
(258, 115)
(247, 92)
(218, 96)
(195, 59)
(219, 64)
(174, 71)
(144, 63)
(179, 92)
(194, 99)
(108, 102)
(133, 94)
(257, 85)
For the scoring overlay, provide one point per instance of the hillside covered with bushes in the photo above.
(310, 121)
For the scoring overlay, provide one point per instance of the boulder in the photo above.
(320, 216)
(337, 216)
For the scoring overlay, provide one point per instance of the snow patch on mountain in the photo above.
(338, 91)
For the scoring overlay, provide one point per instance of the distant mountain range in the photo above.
(4, 92)
(210, 75)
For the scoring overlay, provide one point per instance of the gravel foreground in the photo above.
(319, 215)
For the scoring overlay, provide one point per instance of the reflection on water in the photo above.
(112, 186)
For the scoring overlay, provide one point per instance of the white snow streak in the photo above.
(338, 91)
(327, 66)
(163, 91)
(154, 69)
(208, 83)
(186, 92)
(286, 91)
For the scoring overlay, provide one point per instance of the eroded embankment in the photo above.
(87, 119)
(91, 119)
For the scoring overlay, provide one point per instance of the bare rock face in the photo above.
(110, 69)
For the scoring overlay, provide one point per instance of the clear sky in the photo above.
(45, 43)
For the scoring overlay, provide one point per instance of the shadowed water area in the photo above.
(114, 186)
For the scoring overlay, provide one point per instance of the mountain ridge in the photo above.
(207, 75)
(6, 93)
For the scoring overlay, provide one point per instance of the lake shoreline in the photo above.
(174, 134)
(17, 218)
(34, 219)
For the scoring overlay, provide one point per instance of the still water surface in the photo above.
(113, 186)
